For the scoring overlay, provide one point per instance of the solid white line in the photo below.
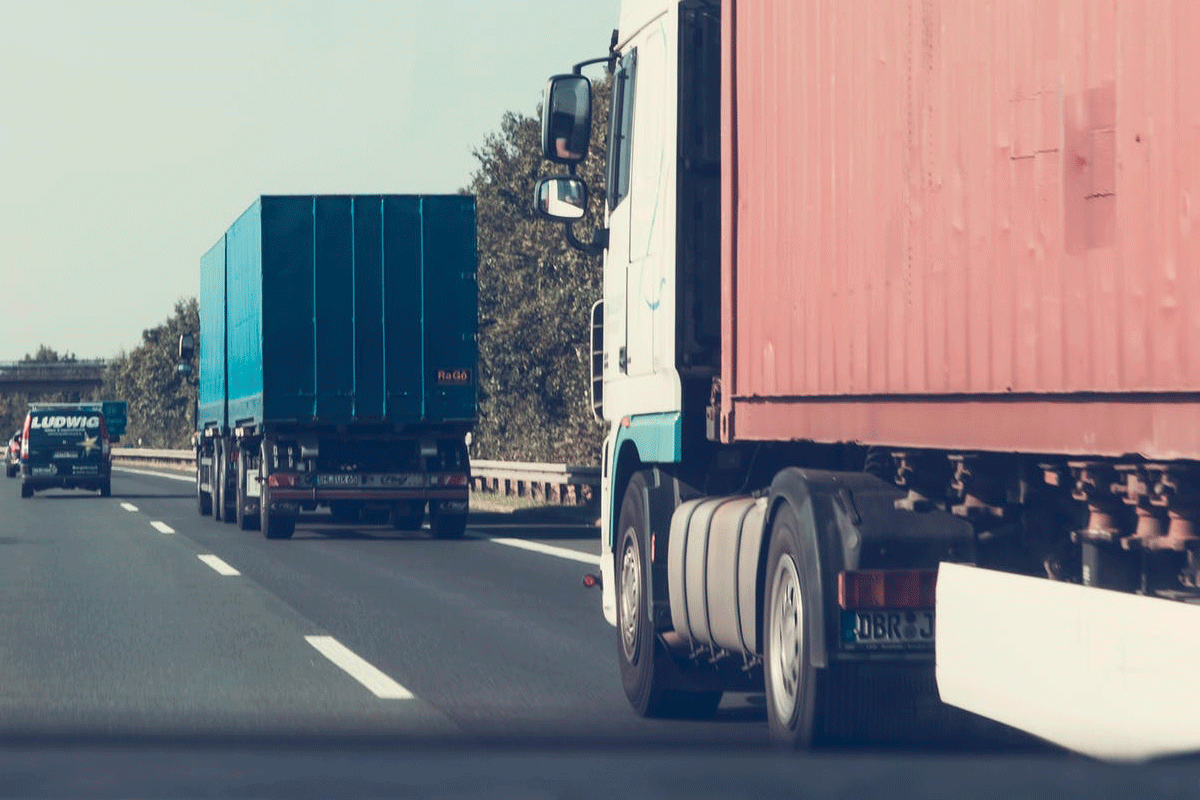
(175, 476)
(220, 566)
(379, 684)
(546, 549)
(162, 527)
(129, 506)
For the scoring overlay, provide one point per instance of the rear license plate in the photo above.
(901, 629)
(338, 480)
(66, 454)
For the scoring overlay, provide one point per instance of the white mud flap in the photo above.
(1103, 673)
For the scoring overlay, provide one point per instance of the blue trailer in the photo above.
(337, 361)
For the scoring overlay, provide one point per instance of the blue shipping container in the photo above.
(341, 309)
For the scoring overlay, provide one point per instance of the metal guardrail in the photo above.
(565, 484)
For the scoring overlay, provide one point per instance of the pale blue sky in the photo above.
(133, 133)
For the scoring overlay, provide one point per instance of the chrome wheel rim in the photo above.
(787, 637)
(631, 596)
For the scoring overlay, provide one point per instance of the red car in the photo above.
(12, 459)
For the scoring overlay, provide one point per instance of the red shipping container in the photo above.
(963, 225)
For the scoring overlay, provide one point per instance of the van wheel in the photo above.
(26, 489)
(106, 489)
(10, 470)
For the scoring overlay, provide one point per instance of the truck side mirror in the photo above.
(561, 198)
(567, 119)
(187, 346)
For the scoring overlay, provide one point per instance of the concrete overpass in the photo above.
(38, 377)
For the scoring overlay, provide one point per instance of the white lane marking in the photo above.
(380, 685)
(545, 549)
(220, 566)
(175, 476)
(162, 527)
(129, 506)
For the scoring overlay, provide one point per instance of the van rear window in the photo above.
(46, 426)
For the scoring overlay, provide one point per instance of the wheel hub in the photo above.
(787, 637)
(631, 597)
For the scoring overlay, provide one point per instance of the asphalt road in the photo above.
(137, 632)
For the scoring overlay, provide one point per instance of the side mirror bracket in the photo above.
(592, 248)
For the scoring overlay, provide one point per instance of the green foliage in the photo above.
(160, 400)
(48, 355)
(535, 296)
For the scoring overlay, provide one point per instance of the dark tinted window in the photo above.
(64, 426)
(620, 125)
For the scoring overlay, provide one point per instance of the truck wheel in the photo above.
(407, 516)
(643, 658)
(345, 512)
(218, 483)
(26, 489)
(446, 525)
(204, 503)
(228, 498)
(244, 521)
(106, 489)
(794, 685)
(277, 526)
(273, 526)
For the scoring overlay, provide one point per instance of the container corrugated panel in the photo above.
(211, 401)
(341, 308)
(931, 202)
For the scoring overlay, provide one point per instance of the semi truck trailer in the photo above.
(337, 359)
(898, 356)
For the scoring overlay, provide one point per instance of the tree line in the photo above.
(535, 294)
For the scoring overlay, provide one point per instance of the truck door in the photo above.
(642, 180)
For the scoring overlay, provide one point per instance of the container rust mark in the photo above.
(1090, 169)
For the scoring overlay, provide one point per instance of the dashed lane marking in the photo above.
(378, 683)
(545, 549)
(220, 566)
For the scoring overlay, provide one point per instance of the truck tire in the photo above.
(26, 490)
(410, 519)
(10, 470)
(217, 477)
(277, 526)
(106, 488)
(794, 686)
(446, 525)
(244, 521)
(345, 512)
(228, 498)
(641, 654)
(273, 526)
(204, 503)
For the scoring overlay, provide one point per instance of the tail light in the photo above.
(25, 438)
(105, 444)
(454, 480)
(283, 479)
(887, 588)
